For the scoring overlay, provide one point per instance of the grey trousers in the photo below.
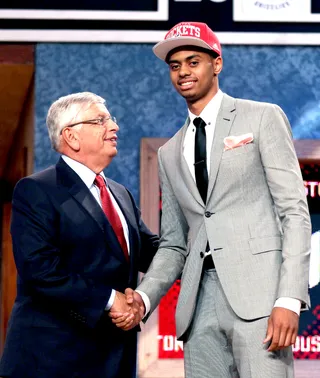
(222, 345)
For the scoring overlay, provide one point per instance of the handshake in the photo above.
(127, 310)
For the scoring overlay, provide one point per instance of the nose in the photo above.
(184, 70)
(114, 126)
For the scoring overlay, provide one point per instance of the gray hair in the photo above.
(63, 111)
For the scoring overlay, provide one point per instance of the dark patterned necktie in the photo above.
(111, 214)
(200, 158)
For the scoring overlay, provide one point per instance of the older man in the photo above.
(78, 242)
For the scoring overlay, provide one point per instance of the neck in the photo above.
(196, 107)
(96, 167)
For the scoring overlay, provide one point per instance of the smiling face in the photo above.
(93, 145)
(194, 75)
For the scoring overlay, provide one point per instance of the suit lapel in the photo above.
(186, 174)
(76, 187)
(80, 192)
(224, 122)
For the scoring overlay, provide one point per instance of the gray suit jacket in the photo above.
(256, 218)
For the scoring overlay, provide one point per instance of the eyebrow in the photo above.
(101, 115)
(188, 58)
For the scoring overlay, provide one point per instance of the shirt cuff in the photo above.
(111, 300)
(292, 304)
(146, 302)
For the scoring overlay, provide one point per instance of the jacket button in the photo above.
(208, 214)
(201, 255)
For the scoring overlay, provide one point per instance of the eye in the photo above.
(174, 67)
(194, 63)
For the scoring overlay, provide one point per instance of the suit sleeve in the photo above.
(40, 263)
(285, 183)
(169, 261)
(149, 241)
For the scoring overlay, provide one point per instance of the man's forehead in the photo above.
(87, 110)
(92, 108)
(186, 54)
(187, 51)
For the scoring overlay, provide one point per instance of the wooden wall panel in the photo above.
(15, 80)
(16, 156)
(19, 162)
(17, 54)
(8, 274)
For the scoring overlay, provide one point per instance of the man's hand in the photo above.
(124, 320)
(122, 306)
(282, 329)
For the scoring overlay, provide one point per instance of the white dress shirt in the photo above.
(209, 115)
(88, 177)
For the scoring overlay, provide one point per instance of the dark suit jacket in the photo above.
(69, 260)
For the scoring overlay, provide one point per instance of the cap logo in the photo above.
(184, 31)
(215, 46)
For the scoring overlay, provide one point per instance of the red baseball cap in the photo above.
(187, 33)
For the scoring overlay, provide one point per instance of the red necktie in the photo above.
(111, 214)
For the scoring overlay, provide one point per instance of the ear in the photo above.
(71, 138)
(217, 65)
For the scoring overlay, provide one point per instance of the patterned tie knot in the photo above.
(199, 123)
(99, 181)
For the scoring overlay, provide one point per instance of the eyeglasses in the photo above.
(96, 121)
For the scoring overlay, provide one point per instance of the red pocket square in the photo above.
(232, 142)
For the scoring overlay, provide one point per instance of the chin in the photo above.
(185, 94)
(190, 97)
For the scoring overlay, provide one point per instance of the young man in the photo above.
(78, 242)
(235, 222)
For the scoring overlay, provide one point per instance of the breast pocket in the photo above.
(245, 149)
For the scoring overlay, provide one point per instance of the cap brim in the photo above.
(162, 48)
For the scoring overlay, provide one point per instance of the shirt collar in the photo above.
(85, 173)
(210, 109)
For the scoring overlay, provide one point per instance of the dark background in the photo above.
(217, 15)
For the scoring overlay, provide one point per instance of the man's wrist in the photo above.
(146, 302)
(111, 300)
(292, 304)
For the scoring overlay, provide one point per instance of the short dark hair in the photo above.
(212, 53)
